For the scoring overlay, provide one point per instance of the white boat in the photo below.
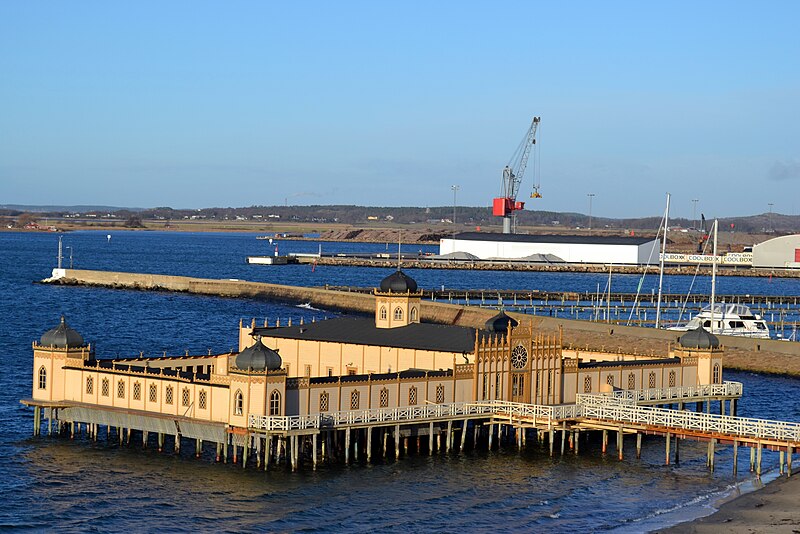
(728, 320)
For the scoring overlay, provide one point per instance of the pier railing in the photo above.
(623, 410)
(685, 393)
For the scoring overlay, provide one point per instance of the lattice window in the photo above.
(238, 403)
(440, 394)
(383, 313)
(168, 395)
(651, 379)
(42, 378)
(120, 389)
(153, 393)
(497, 386)
(549, 382)
(355, 399)
(324, 401)
(308, 371)
(631, 381)
(185, 397)
(485, 382)
(104, 387)
(137, 391)
(610, 380)
(89, 385)
(202, 399)
(275, 403)
(672, 379)
(717, 374)
(587, 384)
(398, 314)
(384, 398)
(412, 396)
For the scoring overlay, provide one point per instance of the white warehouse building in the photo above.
(778, 253)
(554, 248)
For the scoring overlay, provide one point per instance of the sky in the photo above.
(196, 104)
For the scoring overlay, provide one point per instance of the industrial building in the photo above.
(779, 253)
(555, 248)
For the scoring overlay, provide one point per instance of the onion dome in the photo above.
(398, 282)
(62, 337)
(259, 357)
(699, 338)
(499, 323)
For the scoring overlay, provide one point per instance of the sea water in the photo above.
(79, 485)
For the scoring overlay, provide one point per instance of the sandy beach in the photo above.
(775, 508)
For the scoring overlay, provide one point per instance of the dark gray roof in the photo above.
(398, 282)
(629, 363)
(259, 357)
(408, 373)
(699, 338)
(62, 336)
(499, 323)
(570, 239)
(361, 331)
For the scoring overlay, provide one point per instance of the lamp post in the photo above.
(694, 212)
(455, 189)
(769, 219)
(590, 195)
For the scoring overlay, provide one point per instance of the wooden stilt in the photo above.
(620, 442)
(491, 435)
(638, 445)
(789, 461)
(551, 437)
(752, 458)
(198, 448)
(758, 460)
(563, 440)
(449, 439)
(368, 444)
(605, 441)
(430, 439)
(463, 435)
(735, 456)
(347, 445)
(781, 461)
(396, 442)
(667, 456)
(712, 446)
(314, 452)
(577, 440)
(245, 451)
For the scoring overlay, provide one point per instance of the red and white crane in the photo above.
(506, 204)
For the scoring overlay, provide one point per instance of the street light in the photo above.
(769, 219)
(590, 195)
(455, 189)
(694, 213)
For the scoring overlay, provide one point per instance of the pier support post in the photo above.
(347, 445)
(475, 436)
(449, 441)
(563, 440)
(491, 436)
(160, 441)
(552, 438)
(577, 440)
(752, 458)
(667, 452)
(463, 435)
(245, 451)
(268, 452)
(781, 461)
(49, 422)
(357, 444)
(735, 456)
(733, 407)
(368, 445)
(620, 442)
(789, 461)
(177, 442)
(712, 445)
(396, 442)
(295, 453)
(758, 460)
(605, 441)
(36, 414)
(430, 439)
(225, 449)
(198, 448)
(218, 455)
(314, 452)
(638, 445)
(677, 450)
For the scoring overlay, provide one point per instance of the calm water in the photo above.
(81, 485)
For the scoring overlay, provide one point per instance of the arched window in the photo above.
(153, 393)
(383, 313)
(185, 397)
(168, 395)
(610, 380)
(202, 399)
(412, 396)
(324, 401)
(587, 384)
(238, 403)
(120, 389)
(384, 399)
(440, 394)
(413, 313)
(672, 379)
(398, 314)
(355, 399)
(275, 403)
(137, 391)
(42, 378)
(89, 385)
(631, 381)
(104, 387)
(651, 380)
(717, 374)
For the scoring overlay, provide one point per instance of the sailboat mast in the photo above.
(714, 275)
(661, 265)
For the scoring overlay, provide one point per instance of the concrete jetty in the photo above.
(757, 355)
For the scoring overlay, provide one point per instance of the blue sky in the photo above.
(199, 104)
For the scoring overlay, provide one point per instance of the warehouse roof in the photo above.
(568, 239)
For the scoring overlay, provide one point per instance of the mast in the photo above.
(661, 265)
(714, 275)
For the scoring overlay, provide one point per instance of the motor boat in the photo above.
(729, 320)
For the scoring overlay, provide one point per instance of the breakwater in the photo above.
(757, 355)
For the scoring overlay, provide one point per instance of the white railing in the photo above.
(284, 422)
(623, 410)
(536, 411)
(726, 389)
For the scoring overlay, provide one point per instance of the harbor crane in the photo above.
(506, 204)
